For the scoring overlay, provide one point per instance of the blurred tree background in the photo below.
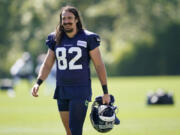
(138, 37)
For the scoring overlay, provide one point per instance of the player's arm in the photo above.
(47, 65)
(101, 72)
(44, 71)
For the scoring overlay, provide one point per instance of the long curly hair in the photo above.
(59, 28)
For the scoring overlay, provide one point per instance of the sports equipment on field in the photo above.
(160, 97)
(102, 116)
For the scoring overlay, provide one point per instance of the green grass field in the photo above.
(26, 115)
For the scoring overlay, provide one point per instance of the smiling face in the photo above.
(69, 21)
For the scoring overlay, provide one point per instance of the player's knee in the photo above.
(68, 132)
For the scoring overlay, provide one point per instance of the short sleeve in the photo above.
(50, 42)
(93, 41)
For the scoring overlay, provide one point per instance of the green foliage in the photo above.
(167, 46)
(23, 26)
(158, 58)
(122, 24)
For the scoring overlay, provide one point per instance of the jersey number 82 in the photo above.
(62, 60)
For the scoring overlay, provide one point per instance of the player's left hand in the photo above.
(106, 99)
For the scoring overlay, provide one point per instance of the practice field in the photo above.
(26, 115)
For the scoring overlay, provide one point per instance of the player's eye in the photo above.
(70, 18)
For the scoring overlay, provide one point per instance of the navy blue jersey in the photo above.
(72, 57)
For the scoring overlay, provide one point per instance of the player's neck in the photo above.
(73, 33)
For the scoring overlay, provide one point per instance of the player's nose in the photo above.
(65, 21)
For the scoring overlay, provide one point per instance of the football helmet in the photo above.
(102, 116)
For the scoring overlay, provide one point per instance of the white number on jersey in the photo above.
(62, 61)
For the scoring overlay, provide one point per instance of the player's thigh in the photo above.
(65, 118)
(78, 110)
(63, 106)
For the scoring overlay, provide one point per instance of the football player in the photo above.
(72, 47)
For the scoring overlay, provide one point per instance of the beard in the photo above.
(67, 30)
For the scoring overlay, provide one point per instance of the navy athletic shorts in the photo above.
(65, 104)
(73, 92)
(77, 112)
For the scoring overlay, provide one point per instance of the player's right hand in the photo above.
(106, 99)
(34, 90)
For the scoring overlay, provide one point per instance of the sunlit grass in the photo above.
(25, 114)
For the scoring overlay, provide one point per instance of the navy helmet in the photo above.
(103, 116)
